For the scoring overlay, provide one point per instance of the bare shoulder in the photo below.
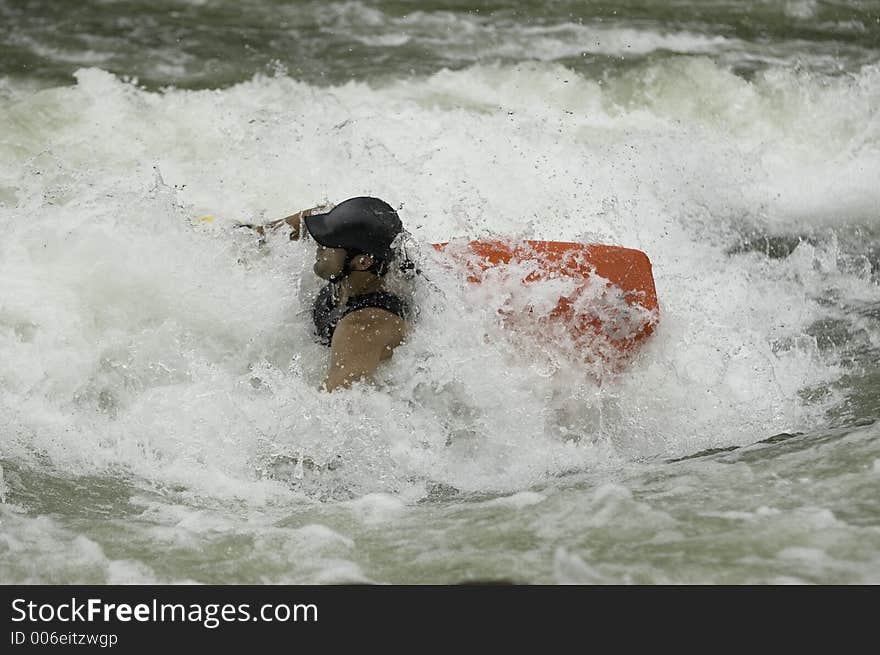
(372, 325)
(362, 340)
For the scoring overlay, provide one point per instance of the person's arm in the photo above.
(293, 222)
(361, 340)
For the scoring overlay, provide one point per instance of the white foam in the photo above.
(802, 9)
(471, 37)
(40, 550)
(520, 500)
(130, 572)
(341, 572)
(811, 555)
(320, 537)
(131, 338)
(570, 568)
(385, 40)
(819, 518)
(374, 509)
(572, 40)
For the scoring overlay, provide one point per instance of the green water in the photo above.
(215, 44)
(736, 143)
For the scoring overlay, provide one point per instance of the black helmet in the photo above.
(363, 224)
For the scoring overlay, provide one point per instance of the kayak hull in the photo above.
(609, 306)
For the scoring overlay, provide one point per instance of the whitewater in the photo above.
(160, 411)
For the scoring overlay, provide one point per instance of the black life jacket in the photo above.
(327, 312)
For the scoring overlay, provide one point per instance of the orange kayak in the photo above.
(609, 305)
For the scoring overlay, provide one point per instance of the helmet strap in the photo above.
(336, 278)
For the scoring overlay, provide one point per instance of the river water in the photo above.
(160, 417)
